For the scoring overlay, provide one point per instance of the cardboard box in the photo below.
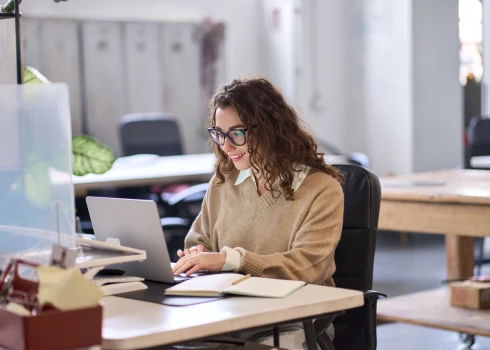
(470, 294)
(51, 330)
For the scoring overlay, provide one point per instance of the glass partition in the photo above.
(36, 190)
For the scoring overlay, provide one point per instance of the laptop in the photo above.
(136, 224)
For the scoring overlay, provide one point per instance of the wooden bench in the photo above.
(431, 309)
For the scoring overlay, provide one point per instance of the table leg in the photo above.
(459, 257)
(276, 337)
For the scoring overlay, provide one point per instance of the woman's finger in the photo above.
(194, 269)
(180, 253)
(177, 265)
(186, 266)
(200, 248)
(187, 252)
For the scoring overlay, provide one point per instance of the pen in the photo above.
(241, 279)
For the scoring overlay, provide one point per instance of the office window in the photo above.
(470, 37)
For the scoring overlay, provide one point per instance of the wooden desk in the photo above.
(458, 207)
(431, 308)
(146, 169)
(456, 204)
(130, 324)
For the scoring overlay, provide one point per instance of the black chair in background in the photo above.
(150, 133)
(159, 134)
(354, 258)
(478, 134)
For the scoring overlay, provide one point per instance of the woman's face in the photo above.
(227, 120)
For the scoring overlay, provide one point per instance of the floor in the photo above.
(401, 268)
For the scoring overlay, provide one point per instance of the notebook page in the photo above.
(209, 283)
(265, 287)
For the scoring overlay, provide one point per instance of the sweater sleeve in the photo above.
(200, 232)
(311, 258)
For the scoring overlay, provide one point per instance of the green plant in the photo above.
(89, 156)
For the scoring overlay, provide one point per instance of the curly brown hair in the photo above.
(274, 128)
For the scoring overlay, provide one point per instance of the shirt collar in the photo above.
(244, 174)
(297, 180)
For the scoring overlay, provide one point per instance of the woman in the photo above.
(274, 208)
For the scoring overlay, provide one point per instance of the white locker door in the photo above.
(180, 43)
(144, 82)
(61, 58)
(8, 66)
(104, 80)
(32, 46)
(220, 64)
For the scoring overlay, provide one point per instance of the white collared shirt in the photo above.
(233, 256)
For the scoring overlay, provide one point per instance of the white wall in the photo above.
(437, 93)
(403, 94)
(387, 114)
(240, 16)
(322, 69)
(8, 66)
(486, 57)
(277, 53)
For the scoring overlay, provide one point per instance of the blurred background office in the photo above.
(398, 81)
(374, 76)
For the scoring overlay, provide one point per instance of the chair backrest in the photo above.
(150, 133)
(478, 138)
(354, 256)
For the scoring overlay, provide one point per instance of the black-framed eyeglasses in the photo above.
(236, 136)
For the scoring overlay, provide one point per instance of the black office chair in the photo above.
(150, 133)
(154, 133)
(478, 139)
(478, 145)
(354, 258)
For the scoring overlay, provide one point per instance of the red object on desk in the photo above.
(47, 328)
(51, 330)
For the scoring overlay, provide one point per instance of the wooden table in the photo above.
(455, 203)
(147, 169)
(130, 324)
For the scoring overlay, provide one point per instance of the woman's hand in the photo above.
(191, 251)
(195, 262)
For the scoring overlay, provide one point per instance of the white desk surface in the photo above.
(480, 162)
(130, 324)
(148, 169)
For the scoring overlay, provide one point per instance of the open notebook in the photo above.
(220, 284)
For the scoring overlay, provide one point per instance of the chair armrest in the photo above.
(370, 305)
(369, 294)
(322, 323)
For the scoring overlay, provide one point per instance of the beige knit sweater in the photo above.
(277, 238)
